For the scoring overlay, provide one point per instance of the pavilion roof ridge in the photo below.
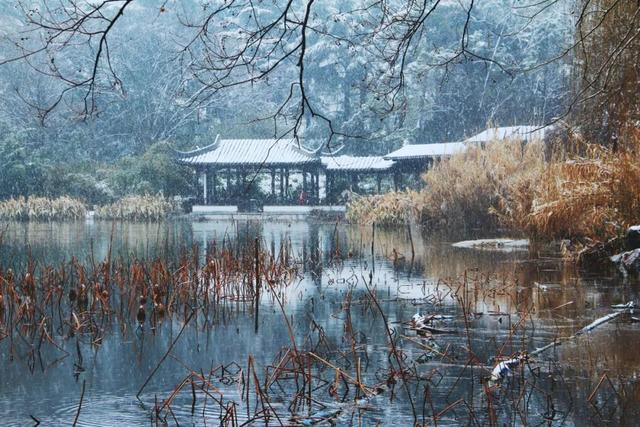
(298, 145)
(199, 150)
(332, 152)
(521, 131)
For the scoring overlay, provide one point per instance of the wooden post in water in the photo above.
(373, 241)
(413, 251)
(256, 290)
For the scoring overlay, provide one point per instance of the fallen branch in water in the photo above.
(555, 343)
(590, 327)
(503, 368)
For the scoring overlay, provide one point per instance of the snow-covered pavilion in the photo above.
(353, 168)
(417, 158)
(523, 133)
(425, 152)
(227, 170)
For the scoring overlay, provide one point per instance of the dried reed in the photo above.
(138, 208)
(583, 192)
(385, 209)
(588, 195)
(41, 209)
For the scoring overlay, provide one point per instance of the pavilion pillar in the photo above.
(304, 181)
(228, 184)
(312, 189)
(317, 173)
(282, 198)
(273, 183)
(328, 187)
(214, 192)
(379, 183)
(354, 182)
(204, 189)
(286, 184)
(196, 182)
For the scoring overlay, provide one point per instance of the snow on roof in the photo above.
(418, 151)
(249, 152)
(351, 163)
(525, 133)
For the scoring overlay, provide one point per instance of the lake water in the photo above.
(493, 303)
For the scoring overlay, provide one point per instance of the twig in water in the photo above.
(75, 421)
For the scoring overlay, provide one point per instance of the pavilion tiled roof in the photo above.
(250, 153)
(525, 133)
(421, 151)
(354, 163)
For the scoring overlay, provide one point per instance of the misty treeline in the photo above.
(95, 95)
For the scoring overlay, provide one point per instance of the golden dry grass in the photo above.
(475, 188)
(584, 192)
(385, 209)
(41, 209)
(137, 208)
(591, 195)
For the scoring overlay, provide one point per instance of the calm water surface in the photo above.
(513, 301)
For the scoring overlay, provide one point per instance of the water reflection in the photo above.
(512, 301)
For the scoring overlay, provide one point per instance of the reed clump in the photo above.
(591, 193)
(42, 209)
(462, 191)
(384, 209)
(467, 189)
(42, 304)
(138, 208)
(561, 190)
